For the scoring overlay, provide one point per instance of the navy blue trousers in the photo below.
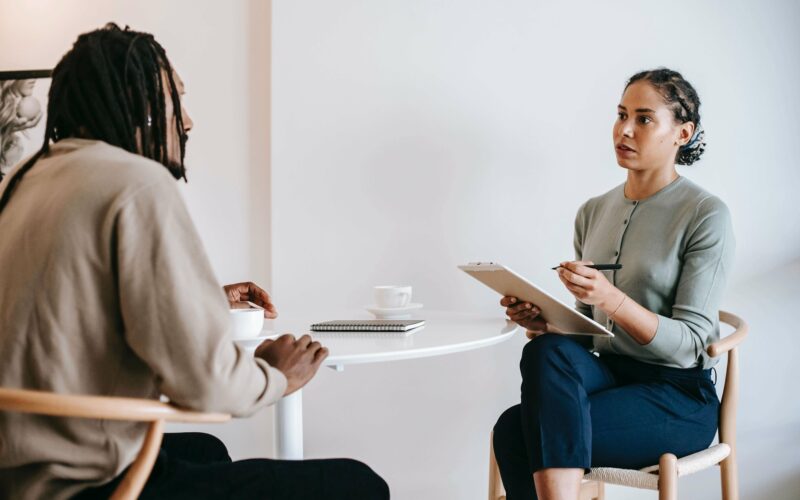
(578, 410)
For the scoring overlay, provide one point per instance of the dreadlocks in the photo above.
(111, 87)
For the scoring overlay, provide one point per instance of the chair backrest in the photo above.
(102, 407)
(111, 408)
(730, 399)
(730, 391)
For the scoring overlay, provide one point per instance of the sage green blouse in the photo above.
(676, 248)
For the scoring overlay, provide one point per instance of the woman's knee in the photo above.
(542, 348)
(508, 429)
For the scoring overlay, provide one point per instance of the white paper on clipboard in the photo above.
(564, 318)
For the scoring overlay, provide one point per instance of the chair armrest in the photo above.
(101, 407)
(722, 346)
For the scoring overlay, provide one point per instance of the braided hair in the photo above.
(111, 87)
(684, 102)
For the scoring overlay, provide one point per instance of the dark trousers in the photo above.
(197, 466)
(581, 411)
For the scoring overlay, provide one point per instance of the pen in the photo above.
(601, 267)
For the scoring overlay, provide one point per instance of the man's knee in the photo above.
(214, 447)
(197, 447)
(365, 482)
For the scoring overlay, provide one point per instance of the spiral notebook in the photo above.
(368, 325)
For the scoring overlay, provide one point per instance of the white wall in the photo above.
(412, 136)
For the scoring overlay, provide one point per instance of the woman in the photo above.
(649, 391)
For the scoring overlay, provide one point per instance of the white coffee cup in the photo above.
(392, 296)
(246, 323)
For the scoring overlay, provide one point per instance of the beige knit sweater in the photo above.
(105, 289)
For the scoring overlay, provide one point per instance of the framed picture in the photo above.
(23, 104)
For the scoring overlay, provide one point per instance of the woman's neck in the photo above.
(642, 184)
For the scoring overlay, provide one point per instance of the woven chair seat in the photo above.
(647, 478)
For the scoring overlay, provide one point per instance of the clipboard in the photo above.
(561, 318)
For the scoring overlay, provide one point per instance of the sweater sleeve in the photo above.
(174, 312)
(707, 260)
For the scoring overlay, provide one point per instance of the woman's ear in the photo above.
(685, 133)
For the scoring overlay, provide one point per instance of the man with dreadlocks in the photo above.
(105, 289)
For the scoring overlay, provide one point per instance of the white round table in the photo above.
(443, 333)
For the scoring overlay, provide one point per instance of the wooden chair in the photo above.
(664, 476)
(111, 408)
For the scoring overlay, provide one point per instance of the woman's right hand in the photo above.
(525, 315)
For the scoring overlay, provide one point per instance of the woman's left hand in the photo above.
(588, 285)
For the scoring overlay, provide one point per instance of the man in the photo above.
(105, 289)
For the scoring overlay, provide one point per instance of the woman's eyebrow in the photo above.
(638, 110)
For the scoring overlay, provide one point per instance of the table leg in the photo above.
(289, 426)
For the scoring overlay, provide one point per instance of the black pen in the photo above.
(600, 267)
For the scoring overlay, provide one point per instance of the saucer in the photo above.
(393, 312)
(265, 334)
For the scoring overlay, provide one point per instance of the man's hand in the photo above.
(297, 359)
(249, 291)
(525, 315)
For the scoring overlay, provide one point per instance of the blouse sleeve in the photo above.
(707, 261)
(580, 225)
(580, 230)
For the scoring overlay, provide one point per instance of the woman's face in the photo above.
(646, 135)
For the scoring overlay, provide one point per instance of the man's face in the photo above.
(173, 138)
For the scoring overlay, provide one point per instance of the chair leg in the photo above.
(668, 477)
(134, 481)
(496, 489)
(601, 490)
(728, 475)
(592, 490)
